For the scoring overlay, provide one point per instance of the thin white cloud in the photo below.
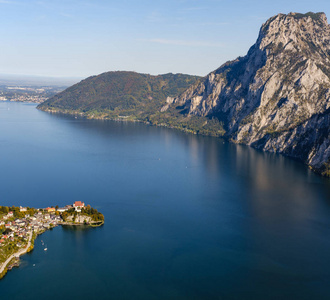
(6, 2)
(195, 8)
(51, 9)
(213, 23)
(184, 43)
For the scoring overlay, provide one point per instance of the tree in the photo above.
(4, 209)
(64, 215)
(19, 215)
(7, 230)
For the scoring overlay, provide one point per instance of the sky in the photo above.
(80, 38)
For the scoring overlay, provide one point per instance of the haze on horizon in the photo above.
(80, 38)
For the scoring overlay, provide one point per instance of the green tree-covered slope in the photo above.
(120, 93)
(132, 96)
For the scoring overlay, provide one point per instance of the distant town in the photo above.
(34, 94)
(19, 226)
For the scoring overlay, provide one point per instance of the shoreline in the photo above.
(131, 119)
(39, 223)
(27, 249)
(3, 268)
(18, 101)
(94, 224)
(318, 172)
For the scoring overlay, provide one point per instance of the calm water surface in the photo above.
(187, 217)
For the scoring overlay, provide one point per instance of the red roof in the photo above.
(79, 203)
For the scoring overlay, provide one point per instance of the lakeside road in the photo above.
(18, 253)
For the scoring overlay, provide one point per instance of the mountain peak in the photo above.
(300, 33)
(274, 97)
(308, 19)
(294, 22)
(320, 16)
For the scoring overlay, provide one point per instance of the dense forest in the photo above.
(133, 97)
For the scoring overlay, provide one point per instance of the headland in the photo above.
(19, 226)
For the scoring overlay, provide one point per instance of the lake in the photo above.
(186, 216)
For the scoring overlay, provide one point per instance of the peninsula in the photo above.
(19, 226)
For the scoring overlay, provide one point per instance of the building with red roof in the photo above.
(50, 209)
(78, 205)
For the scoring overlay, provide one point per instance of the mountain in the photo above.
(131, 96)
(276, 98)
(118, 93)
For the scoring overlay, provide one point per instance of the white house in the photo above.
(78, 205)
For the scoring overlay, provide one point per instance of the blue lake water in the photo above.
(187, 217)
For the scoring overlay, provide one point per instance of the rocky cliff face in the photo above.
(275, 98)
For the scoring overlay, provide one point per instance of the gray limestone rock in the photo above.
(276, 98)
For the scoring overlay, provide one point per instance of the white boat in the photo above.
(45, 248)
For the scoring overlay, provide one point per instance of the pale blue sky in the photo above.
(88, 37)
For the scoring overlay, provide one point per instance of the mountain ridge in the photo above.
(274, 97)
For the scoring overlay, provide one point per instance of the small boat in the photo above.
(45, 248)
(34, 265)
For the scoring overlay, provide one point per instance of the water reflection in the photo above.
(264, 171)
(274, 186)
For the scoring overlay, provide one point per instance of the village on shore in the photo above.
(19, 226)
